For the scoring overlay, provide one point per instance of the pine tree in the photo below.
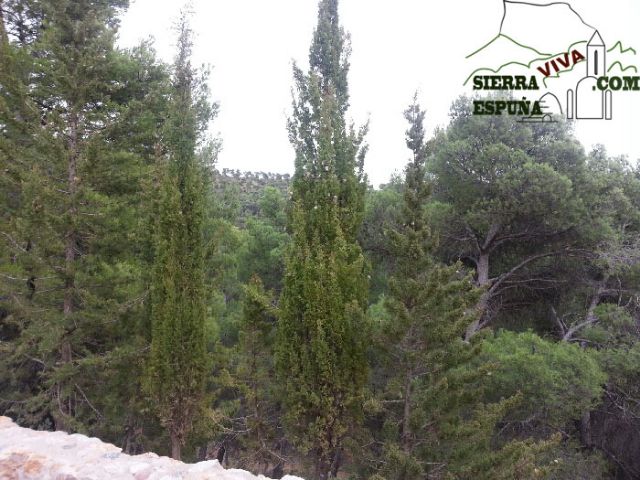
(512, 196)
(69, 226)
(322, 332)
(427, 304)
(20, 122)
(255, 377)
(436, 424)
(178, 360)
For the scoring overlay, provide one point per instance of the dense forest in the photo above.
(477, 317)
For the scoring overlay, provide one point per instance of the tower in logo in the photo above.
(588, 101)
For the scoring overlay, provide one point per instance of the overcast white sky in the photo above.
(398, 47)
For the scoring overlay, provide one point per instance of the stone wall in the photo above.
(30, 454)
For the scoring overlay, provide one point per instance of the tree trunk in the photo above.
(322, 470)
(590, 317)
(406, 415)
(70, 238)
(327, 461)
(482, 269)
(71, 234)
(335, 464)
(66, 404)
(175, 446)
(585, 429)
(4, 41)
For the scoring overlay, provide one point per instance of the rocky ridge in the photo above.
(30, 454)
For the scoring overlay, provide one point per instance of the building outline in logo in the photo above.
(587, 101)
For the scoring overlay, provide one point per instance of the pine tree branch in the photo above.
(88, 402)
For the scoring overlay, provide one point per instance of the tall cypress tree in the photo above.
(325, 86)
(322, 332)
(178, 361)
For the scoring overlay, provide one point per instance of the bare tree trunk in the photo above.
(66, 404)
(175, 446)
(322, 469)
(335, 464)
(3, 32)
(590, 317)
(482, 269)
(492, 286)
(406, 415)
(585, 429)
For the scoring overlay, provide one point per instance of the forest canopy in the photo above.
(476, 317)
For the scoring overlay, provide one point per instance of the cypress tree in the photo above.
(178, 361)
(325, 91)
(322, 333)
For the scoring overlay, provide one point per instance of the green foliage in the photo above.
(562, 380)
(614, 328)
(436, 423)
(517, 175)
(266, 241)
(428, 311)
(570, 460)
(623, 370)
(132, 303)
(474, 454)
(322, 330)
(382, 213)
(322, 337)
(511, 202)
(178, 362)
(71, 226)
(255, 380)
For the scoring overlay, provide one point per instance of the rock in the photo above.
(5, 422)
(28, 454)
(111, 455)
(33, 467)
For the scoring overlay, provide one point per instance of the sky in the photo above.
(398, 47)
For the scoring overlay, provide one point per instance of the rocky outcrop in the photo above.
(29, 454)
